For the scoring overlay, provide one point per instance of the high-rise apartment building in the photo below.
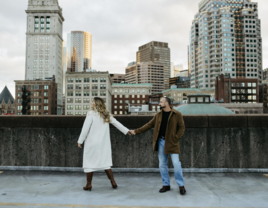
(159, 53)
(79, 45)
(225, 39)
(44, 43)
(146, 72)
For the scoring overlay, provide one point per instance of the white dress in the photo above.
(96, 136)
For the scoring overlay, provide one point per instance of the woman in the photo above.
(96, 135)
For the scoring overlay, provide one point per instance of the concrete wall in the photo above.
(231, 141)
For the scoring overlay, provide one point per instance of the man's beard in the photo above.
(161, 107)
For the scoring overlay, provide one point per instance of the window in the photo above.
(86, 93)
(36, 87)
(133, 96)
(94, 93)
(45, 87)
(78, 93)
(70, 87)
(69, 107)
(86, 87)
(19, 107)
(115, 112)
(86, 100)
(126, 90)
(86, 79)
(45, 100)
(70, 100)
(103, 79)
(94, 79)
(19, 87)
(115, 96)
(46, 94)
(102, 93)
(70, 93)
(78, 87)
(78, 107)
(102, 87)
(94, 87)
(115, 101)
(19, 94)
(45, 107)
(77, 100)
(78, 80)
(70, 80)
(86, 107)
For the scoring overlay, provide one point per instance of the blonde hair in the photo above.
(100, 108)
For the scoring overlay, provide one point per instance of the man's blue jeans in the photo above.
(163, 158)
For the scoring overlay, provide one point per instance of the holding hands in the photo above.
(131, 132)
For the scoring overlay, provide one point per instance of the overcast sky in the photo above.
(118, 28)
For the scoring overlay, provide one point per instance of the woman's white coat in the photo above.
(96, 135)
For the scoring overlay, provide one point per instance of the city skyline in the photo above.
(112, 28)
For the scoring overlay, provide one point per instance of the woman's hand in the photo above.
(79, 145)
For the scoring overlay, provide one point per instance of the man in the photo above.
(168, 127)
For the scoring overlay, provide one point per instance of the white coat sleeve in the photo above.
(86, 127)
(119, 126)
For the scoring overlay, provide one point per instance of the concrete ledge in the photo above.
(257, 120)
(191, 121)
(227, 121)
(135, 170)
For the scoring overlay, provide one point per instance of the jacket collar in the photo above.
(172, 110)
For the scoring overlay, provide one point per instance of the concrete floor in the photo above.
(56, 189)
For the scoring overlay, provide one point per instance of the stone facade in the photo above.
(82, 87)
(44, 43)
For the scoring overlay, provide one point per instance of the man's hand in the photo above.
(131, 132)
(79, 145)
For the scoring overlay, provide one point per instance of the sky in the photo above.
(118, 28)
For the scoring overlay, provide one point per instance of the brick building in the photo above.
(242, 90)
(127, 95)
(43, 96)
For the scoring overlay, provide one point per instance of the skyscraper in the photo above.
(44, 43)
(159, 53)
(225, 39)
(79, 45)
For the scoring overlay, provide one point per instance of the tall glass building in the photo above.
(79, 45)
(225, 38)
